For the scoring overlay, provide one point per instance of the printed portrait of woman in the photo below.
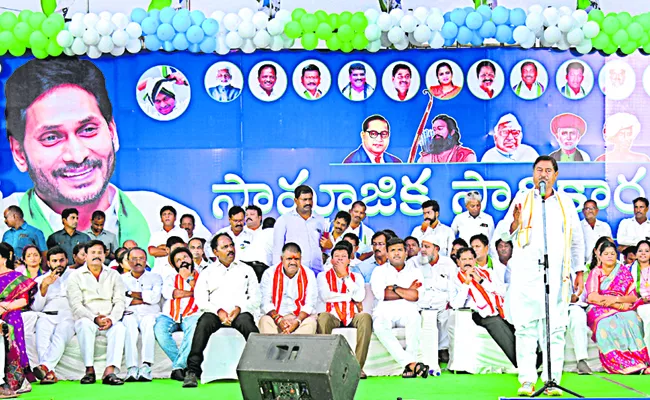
(445, 79)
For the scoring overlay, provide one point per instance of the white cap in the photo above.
(506, 120)
(430, 238)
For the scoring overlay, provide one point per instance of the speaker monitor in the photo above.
(298, 367)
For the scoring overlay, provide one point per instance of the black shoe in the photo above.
(443, 356)
(39, 373)
(190, 380)
(112, 380)
(178, 375)
(89, 379)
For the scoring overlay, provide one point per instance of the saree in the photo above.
(618, 334)
(13, 286)
(437, 91)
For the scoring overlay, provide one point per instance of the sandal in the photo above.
(408, 373)
(6, 392)
(421, 370)
(49, 379)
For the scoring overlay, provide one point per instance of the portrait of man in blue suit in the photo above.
(375, 138)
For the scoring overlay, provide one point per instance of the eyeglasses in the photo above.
(374, 134)
(473, 193)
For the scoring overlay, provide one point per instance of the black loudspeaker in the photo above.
(298, 367)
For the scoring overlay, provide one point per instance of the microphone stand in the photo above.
(550, 382)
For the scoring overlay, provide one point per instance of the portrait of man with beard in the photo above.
(224, 89)
(620, 131)
(568, 129)
(441, 144)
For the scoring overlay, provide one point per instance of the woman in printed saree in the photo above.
(641, 273)
(611, 316)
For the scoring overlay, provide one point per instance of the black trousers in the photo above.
(208, 324)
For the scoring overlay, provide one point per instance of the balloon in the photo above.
(138, 15)
(345, 17)
(50, 28)
(246, 30)
(474, 20)
(282, 15)
(209, 44)
(334, 21)
(464, 35)
(488, 30)
(374, 47)
(91, 19)
(535, 9)
(396, 14)
(309, 23)
(22, 30)
(477, 40)
(24, 15)
(435, 21)
(584, 47)
(500, 15)
(517, 17)
(134, 30)
(180, 23)
(611, 49)
(601, 41)
(485, 11)
(53, 49)
(166, 15)
(7, 21)
(629, 48)
(566, 23)
(246, 14)
(233, 40)
(522, 34)
(396, 35)
(36, 20)
(79, 47)
(17, 49)
(345, 33)
(77, 28)
(180, 42)
(275, 27)
(149, 26)
(309, 41)
(408, 23)
(458, 16)
(575, 36)
(134, 46)
(37, 40)
(421, 14)
(373, 32)
(610, 24)
(644, 20)
(277, 43)
(197, 18)
(551, 16)
(57, 20)
(322, 16)
(104, 27)
(372, 15)
(324, 31)
(231, 21)
(580, 16)
(359, 22)
(260, 20)
(210, 27)
(195, 34)
(64, 39)
(293, 30)
(120, 38)
(591, 29)
(384, 22)
(504, 34)
(635, 30)
(436, 41)
(165, 32)
(534, 21)
(262, 39)
(105, 44)
(624, 18)
(596, 16)
(333, 43)
(401, 45)
(552, 34)
(48, 6)
(529, 43)
(620, 38)
(422, 34)
(152, 43)
(297, 14)
(449, 30)
(359, 42)
(91, 37)
(168, 46)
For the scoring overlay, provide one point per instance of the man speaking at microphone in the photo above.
(525, 304)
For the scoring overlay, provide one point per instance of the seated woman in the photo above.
(641, 272)
(31, 266)
(123, 266)
(616, 327)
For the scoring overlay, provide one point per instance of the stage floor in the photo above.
(448, 386)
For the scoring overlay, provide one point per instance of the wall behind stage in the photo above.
(248, 151)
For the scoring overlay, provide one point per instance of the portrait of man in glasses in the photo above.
(375, 138)
(508, 135)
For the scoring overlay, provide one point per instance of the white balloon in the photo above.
(79, 47)
(575, 36)
(218, 16)
(522, 34)
(90, 20)
(246, 14)
(563, 44)
(106, 44)
(275, 27)
(384, 40)
(396, 35)
(246, 30)
(591, 29)
(411, 39)
(408, 23)
(421, 14)
(435, 21)
(564, 10)
(539, 32)
(372, 32)
(260, 20)
(91, 37)
(284, 16)
(78, 17)
(401, 45)
(68, 52)
(385, 22)
(262, 39)
(396, 15)
(77, 28)
(134, 46)
(222, 47)
(374, 46)
(422, 34)
(566, 23)
(552, 35)
(134, 30)
(120, 38)
(248, 46)
(580, 16)
(120, 20)
(529, 43)
(117, 51)
(288, 42)
(104, 27)
(372, 15)
(231, 21)
(233, 40)
(277, 43)
(94, 52)
(535, 9)
(437, 41)
(585, 46)
(64, 39)
(105, 15)
(534, 21)
(551, 16)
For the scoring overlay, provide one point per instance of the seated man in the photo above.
(143, 290)
(397, 286)
(481, 245)
(579, 330)
(342, 291)
(164, 267)
(55, 325)
(289, 294)
(180, 313)
(96, 297)
(438, 272)
(228, 294)
(197, 248)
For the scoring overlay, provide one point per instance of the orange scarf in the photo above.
(342, 313)
(481, 290)
(278, 288)
(191, 308)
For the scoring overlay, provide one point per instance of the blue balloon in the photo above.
(464, 35)
(150, 26)
(155, 14)
(474, 20)
(166, 15)
(500, 15)
(181, 22)
(208, 45)
(195, 48)
(210, 26)
(195, 34)
(517, 17)
(180, 42)
(447, 16)
(458, 16)
(152, 43)
(449, 30)
(197, 17)
(449, 42)
(168, 46)
(485, 11)
(504, 34)
(184, 12)
(165, 32)
(477, 40)
(138, 15)
(488, 30)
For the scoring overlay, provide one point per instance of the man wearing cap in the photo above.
(358, 89)
(568, 129)
(224, 91)
(473, 221)
(619, 131)
(507, 139)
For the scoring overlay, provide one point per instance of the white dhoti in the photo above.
(2, 359)
(528, 337)
(52, 337)
(383, 323)
(87, 330)
(644, 313)
(135, 324)
(443, 329)
(579, 331)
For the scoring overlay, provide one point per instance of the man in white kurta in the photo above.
(525, 305)
(431, 224)
(473, 221)
(579, 332)
(363, 231)
(239, 233)
(593, 228)
(632, 230)
(158, 241)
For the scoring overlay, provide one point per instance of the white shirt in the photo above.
(89, 297)
(221, 287)
(443, 234)
(437, 283)
(264, 96)
(290, 292)
(160, 237)
(328, 264)
(355, 291)
(168, 295)
(466, 226)
(261, 249)
(630, 232)
(386, 275)
(243, 242)
(524, 153)
(56, 298)
(165, 269)
(150, 284)
(593, 234)
(468, 295)
(364, 233)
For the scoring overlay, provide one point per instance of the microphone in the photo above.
(542, 188)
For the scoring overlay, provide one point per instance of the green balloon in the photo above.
(17, 49)
(601, 41)
(635, 30)
(309, 41)
(359, 22)
(3, 51)
(345, 17)
(629, 48)
(643, 39)
(321, 15)
(333, 43)
(293, 30)
(50, 28)
(345, 33)
(620, 38)
(309, 23)
(646, 47)
(58, 20)
(297, 14)
(54, 49)
(359, 42)
(347, 47)
(37, 40)
(36, 20)
(324, 31)
(597, 16)
(8, 20)
(159, 4)
(24, 15)
(644, 20)
(611, 24)
(611, 49)
(22, 30)
(39, 53)
(334, 21)
(48, 6)
(625, 19)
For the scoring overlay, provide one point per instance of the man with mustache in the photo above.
(198, 254)
(69, 236)
(267, 76)
(375, 138)
(401, 81)
(179, 312)
(239, 233)
(337, 228)
(438, 272)
(442, 143)
(474, 220)
(289, 296)
(378, 242)
(431, 224)
(593, 228)
(224, 91)
(620, 131)
(98, 232)
(508, 137)
(397, 286)
(358, 89)
(20, 233)
(157, 247)
(302, 227)
(228, 294)
(55, 325)
(575, 75)
(412, 247)
(632, 230)
(481, 246)
(568, 129)
(262, 247)
(310, 79)
(61, 131)
(486, 73)
(529, 88)
(143, 291)
(96, 296)
(362, 231)
(167, 267)
(188, 222)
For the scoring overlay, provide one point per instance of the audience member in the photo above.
(78, 255)
(473, 221)
(69, 236)
(363, 231)
(629, 255)
(412, 247)
(335, 234)
(444, 234)
(239, 233)
(31, 262)
(497, 270)
(378, 241)
(158, 242)
(97, 232)
(196, 246)
(592, 228)
(641, 273)
(262, 249)
(456, 245)
(20, 233)
(165, 268)
(632, 230)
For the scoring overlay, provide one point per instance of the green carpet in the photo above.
(447, 386)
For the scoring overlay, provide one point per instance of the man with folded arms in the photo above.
(342, 290)
(96, 297)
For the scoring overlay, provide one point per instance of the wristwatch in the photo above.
(129, 293)
(395, 288)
